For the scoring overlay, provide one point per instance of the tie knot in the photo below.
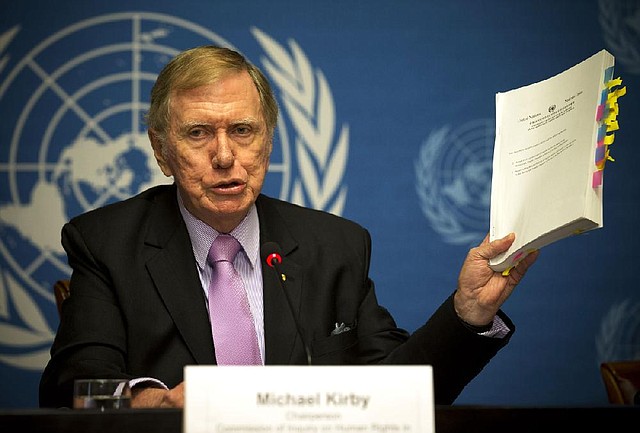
(224, 248)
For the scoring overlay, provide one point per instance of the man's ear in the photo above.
(156, 144)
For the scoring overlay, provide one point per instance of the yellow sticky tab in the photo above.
(612, 97)
(614, 82)
(609, 119)
(615, 110)
(620, 92)
(612, 125)
(506, 272)
(608, 139)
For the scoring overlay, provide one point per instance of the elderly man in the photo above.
(145, 299)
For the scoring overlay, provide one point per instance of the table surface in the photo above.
(448, 419)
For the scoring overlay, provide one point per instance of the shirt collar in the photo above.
(202, 235)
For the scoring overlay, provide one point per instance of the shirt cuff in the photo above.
(147, 382)
(499, 329)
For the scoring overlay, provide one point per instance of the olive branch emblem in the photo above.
(29, 338)
(321, 153)
(28, 344)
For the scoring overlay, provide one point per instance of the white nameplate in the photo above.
(303, 399)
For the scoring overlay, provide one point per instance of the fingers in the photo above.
(489, 250)
(175, 397)
(523, 265)
(529, 260)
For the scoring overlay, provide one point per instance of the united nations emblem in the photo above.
(620, 22)
(453, 181)
(619, 335)
(75, 140)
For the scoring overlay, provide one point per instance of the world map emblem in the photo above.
(76, 140)
(453, 181)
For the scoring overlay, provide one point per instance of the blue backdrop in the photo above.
(387, 118)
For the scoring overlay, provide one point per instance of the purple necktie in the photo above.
(234, 334)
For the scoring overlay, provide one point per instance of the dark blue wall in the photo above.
(402, 96)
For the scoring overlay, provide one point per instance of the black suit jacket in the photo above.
(137, 307)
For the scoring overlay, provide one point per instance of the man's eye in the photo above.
(242, 130)
(197, 132)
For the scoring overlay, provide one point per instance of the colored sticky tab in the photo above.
(612, 125)
(602, 131)
(607, 115)
(608, 139)
(607, 157)
(604, 95)
(613, 83)
(597, 179)
(618, 93)
(600, 153)
(608, 74)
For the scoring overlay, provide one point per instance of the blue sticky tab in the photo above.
(600, 153)
(602, 131)
(608, 74)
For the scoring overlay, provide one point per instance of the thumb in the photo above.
(493, 248)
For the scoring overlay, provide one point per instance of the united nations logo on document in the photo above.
(453, 180)
(73, 138)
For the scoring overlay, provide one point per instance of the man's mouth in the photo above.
(229, 187)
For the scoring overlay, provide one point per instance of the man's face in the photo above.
(217, 149)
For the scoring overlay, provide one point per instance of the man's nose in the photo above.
(223, 157)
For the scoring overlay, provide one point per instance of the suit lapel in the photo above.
(174, 274)
(279, 327)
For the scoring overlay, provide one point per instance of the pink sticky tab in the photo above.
(599, 112)
(597, 179)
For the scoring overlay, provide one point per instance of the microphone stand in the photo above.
(273, 259)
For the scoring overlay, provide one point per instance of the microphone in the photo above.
(270, 252)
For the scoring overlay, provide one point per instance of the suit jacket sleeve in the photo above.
(326, 260)
(137, 307)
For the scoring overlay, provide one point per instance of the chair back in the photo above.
(61, 292)
(622, 381)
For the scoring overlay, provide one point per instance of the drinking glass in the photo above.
(101, 394)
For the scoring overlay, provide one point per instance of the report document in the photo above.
(552, 142)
